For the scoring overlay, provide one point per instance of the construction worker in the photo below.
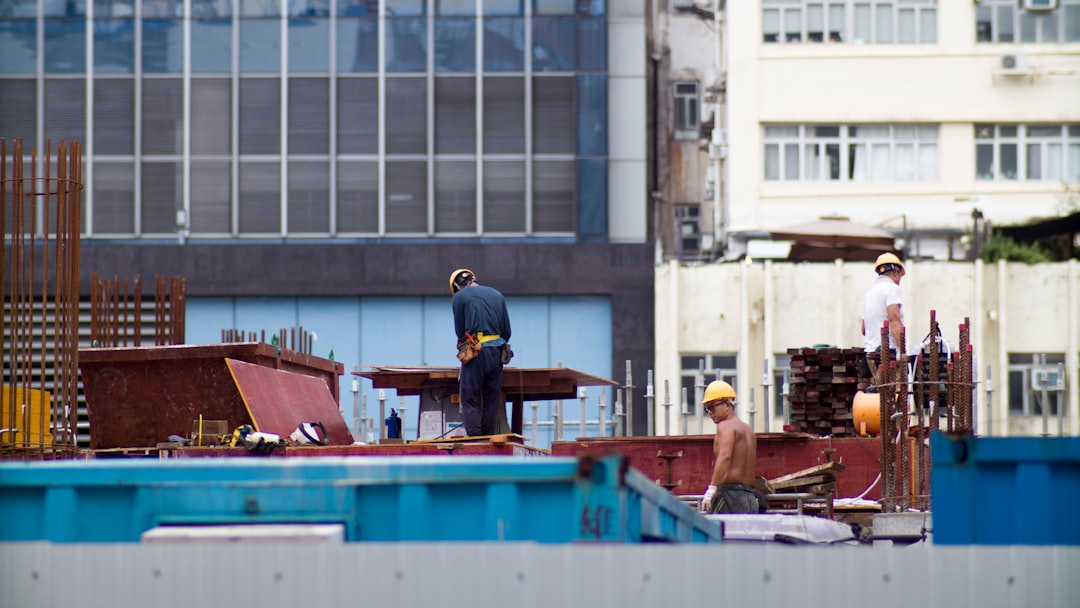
(731, 488)
(482, 325)
(881, 303)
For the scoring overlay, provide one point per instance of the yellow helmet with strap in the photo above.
(888, 262)
(460, 278)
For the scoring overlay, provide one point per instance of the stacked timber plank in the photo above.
(823, 383)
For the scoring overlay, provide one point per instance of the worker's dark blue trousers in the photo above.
(481, 388)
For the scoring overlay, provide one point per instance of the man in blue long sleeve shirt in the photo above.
(480, 312)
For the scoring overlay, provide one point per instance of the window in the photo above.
(686, 109)
(687, 222)
(720, 366)
(1027, 152)
(1036, 380)
(849, 21)
(1039, 21)
(851, 152)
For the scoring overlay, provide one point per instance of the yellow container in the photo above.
(26, 427)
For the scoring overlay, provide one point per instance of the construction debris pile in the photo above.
(823, 382)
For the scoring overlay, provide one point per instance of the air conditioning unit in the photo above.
(1013, 64)
(1040, 5)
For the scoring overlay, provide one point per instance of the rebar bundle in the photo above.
(40, 220)
(294, 338)
(921, 391)
(116, 311)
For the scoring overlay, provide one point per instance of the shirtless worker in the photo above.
(731, 489)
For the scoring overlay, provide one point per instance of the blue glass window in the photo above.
(211, 8)
(554, 44)
(455, 44)
(592, 199)
(65, 45)
(592, 44)
(260, 8)
(309, 8)
(211, 46)
(358, 8)
(400, 8)
(504, 44)
(504, 7)
(592, 115)
(18, 8)
(553, 7)
(163, 45)
(357, 45)
(164, 9)
(309, 45)
(455, 7)
(260, 45)
(65, 8)
(18, 46)
(114, 45)
(105, 9)
(569, 7)
(406, 45)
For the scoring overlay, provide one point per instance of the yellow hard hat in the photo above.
(718, 389)
(460, 278)
(888, 262)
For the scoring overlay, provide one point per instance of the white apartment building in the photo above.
(904, 114)
(914, 116)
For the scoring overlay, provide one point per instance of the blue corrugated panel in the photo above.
(553, 500)
(1006, 491)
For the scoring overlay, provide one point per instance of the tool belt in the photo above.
(482, 337)
(468, 348)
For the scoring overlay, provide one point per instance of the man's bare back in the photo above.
(735, 449)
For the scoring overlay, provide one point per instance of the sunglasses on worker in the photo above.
(709, 407)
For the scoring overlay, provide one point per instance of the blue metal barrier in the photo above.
(1005, 491)
(552, 500)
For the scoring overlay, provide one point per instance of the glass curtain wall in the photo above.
(319, 118)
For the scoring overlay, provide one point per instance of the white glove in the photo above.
(706, 500)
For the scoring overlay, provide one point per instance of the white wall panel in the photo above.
(526, 575)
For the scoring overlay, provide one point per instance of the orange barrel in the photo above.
(866, 407)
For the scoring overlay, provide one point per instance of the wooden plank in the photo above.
(828, 467)
(800, 482)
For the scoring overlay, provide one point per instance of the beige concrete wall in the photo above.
(761, 309)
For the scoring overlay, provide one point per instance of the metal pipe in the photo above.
(1044, 405)
(382, 414)
(630, 405)
(685, 410)
(600, 406)
(650, 397)
(699, 395)
(989, 402)
(1061, 399)
(751, 411)
(356, 406)
(535, 406)
(785, 394)
(667, 404)
(581, 419)
(766, 385)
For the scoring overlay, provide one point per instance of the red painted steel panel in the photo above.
(777, 454)
(279, 401)
(138, 396)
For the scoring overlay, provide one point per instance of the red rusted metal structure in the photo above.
(138, 396)
(40, 220)
(685, 462)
